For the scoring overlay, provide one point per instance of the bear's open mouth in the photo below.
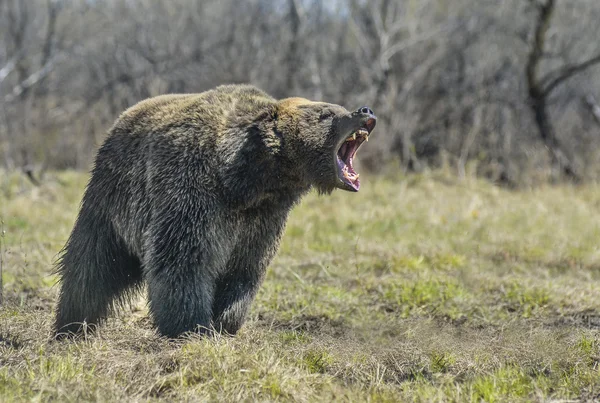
(345, 158)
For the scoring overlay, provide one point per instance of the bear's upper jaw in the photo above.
(345, 158)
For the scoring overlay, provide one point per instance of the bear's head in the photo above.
(320, 141)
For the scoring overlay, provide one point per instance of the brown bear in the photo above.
(190, 194)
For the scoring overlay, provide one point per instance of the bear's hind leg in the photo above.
(95, 271)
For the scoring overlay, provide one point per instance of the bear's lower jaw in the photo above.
(347, 176)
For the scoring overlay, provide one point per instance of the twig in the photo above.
(470, 139)
(538, 94)
(1, 262)
(28, 170)
(569, 71)
(594, 107)
(8, 68)
(30, 81)
(417, 39)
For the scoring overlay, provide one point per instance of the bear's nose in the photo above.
(366, 110)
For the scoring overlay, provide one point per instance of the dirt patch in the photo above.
(589, 319)
(10, 341)
(312, 324)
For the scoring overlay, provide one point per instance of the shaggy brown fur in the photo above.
(191, 194)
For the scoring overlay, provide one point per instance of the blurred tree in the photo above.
(446, 78)
(540, 88)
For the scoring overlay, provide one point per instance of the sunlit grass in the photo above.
(417, 288)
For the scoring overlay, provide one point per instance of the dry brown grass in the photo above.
(419, 288)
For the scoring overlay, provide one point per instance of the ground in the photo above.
(419, 288)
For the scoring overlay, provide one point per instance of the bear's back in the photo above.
(214, 109)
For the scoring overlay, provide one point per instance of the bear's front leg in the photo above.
(180, 300)
(237, 286)
(187, 244)
(180, 277)
(233, 296)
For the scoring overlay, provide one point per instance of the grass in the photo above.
(417, 288)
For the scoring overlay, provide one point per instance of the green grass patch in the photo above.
(416, 288)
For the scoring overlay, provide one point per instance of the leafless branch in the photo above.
(568, 72)
(8, 68)
(468, 143)
(590, 101)
(31, 80)
(538, 95)
(423, 37)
